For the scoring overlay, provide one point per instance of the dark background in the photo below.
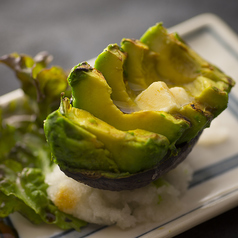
(74, 31)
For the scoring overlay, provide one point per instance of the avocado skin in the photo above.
(137, 180)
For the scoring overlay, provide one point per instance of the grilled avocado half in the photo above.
(137, 113)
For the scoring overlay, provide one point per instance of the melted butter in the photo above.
(159, 97)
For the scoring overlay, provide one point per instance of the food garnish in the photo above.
(24, 152)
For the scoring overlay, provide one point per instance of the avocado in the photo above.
(87, 142)
(137, 113)
(140, 65)
(121, 94)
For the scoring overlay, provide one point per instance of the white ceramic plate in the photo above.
(214, 188)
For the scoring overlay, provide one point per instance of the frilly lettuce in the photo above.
(24, 153)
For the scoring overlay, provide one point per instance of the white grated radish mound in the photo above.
(125, 208)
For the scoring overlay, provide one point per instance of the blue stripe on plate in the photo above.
(191, 211)
(72, 233)
(63, 233)
(233, 105)
(202, 175)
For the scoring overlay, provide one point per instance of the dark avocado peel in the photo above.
(101, 138)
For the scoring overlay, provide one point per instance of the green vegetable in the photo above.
(25, 156)
(43, 85)
(92, 144)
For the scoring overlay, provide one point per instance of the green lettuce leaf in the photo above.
(43, 85)
(25, 157)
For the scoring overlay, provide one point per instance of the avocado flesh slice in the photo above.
(86, 81)
(73, 146)
(213, 96)
(89, 143)
(176, 64)
(121, 94)
(140, 65)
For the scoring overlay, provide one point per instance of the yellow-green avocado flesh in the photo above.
(89, 143)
